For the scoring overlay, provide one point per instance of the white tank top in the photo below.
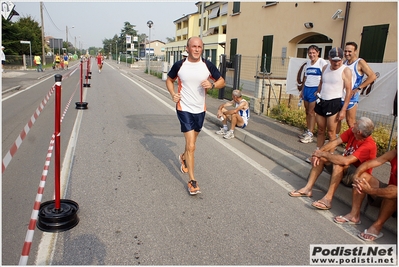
(333, 85)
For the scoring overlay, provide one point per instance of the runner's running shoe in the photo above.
(183, 167)
(193, 187)
(221, 131)
(307, 139)
(305, 133)
(228, 135)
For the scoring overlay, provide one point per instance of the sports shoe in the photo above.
(193, 187)
(183, 167)
(222, 131)
(305, 133)
(307, 139)
(228, 135)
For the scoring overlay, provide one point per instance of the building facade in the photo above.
(210, 25)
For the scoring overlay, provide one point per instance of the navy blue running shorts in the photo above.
(189, 121)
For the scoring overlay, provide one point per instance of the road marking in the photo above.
(26, 89)
(48, 241)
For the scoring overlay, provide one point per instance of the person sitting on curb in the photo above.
(378, 194)
(238, 116)
(360, 147)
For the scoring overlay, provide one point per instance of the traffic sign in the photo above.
(6, 9)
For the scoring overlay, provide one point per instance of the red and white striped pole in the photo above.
(87, 77)
(59, 214)
(57, 143)
(81, 104)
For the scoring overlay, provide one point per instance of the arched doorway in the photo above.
(322, 41)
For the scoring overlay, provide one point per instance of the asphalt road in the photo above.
(134, 205)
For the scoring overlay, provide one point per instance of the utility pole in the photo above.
(43, 41)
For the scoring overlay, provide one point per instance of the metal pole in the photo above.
(43, 42)
(237, 65)
(223, 72)
(30, 53)
(57, 143)
(149, 24)
(149, 52)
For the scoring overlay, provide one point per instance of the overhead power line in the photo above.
(51, 19)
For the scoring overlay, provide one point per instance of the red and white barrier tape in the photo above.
(9, 155)
(35, 213)
(7, 158)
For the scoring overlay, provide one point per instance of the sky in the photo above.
(93, 21)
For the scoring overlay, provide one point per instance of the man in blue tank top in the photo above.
(359, 68)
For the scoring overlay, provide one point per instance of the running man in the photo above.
(66, 58)
(99, 62)
(194, 74)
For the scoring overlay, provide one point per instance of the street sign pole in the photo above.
(30, 50)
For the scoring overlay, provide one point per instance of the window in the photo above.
(224, 28)
(373, 43)
(236, 7)
(267, 47)
(214, 13)
(223, 10)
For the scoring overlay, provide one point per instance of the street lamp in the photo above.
(149, 24)
(30, 50)
(67, 36)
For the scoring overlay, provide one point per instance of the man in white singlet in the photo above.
(329, 109)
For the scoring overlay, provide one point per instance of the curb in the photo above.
(301, 169)
(11, 89)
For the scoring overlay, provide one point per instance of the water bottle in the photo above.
(300, 103)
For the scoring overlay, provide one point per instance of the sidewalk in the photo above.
(275, 140)
(13, 79)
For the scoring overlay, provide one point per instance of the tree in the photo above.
(29, 30)
(25, 29)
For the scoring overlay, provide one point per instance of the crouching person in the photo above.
(238, 116)
(378, 193)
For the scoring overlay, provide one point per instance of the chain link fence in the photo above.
(267, 89)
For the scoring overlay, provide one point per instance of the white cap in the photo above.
(184, 54)
(2, 47)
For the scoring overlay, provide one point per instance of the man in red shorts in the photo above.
(99, 62)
